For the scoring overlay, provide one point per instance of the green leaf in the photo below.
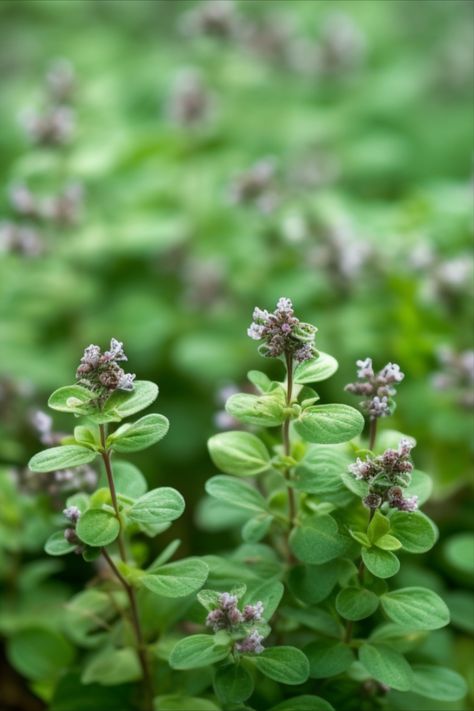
(438, 683)
(459, 552)
(256, 528)
(157, 506)
(239, 453)
(196, 651)
(387, 666)
(128, 479)
(237, 493)
(269, 592)
(313, 371)
(328, 658)
(57, 544)
(176, 579)
(318, 542)
(134, 436)
(356, 603)
(123, 404)
(72, 398)
(304, 703)
(71, 455)
(381, 563)
(416, 608)
(320, 472)
(421, 485)
(233, 684)
(261, 381)
(87, 437)
(415, 531)
(313, 583)
(39, 654)
(165, 555)
(210, 598)
(378, 527)
(288, 665)
(329, 424)
(260, 410)
(388, 543)
(360, 537)
(98, 528)
(112, 666)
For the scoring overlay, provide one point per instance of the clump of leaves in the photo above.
(102, 527)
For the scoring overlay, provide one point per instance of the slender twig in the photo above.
(286, 437)
(141, 646)
(113, 494)
(373, 432)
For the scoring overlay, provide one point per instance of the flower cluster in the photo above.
(283, 333)
(227, 616)
(55, 125)
(387, 476)
(101, 372)
(73, 514)
(61, 209)
(256, 185)
(377, 388)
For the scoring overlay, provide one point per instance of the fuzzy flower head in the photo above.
(227, 616)
(282, 333)
(72, 513)
(387, 476)
(101, 372)
(377, 389)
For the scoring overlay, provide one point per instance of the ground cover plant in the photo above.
(166, 166)
(320, 542)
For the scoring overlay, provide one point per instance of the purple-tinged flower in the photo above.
(372, 501)
(397, 500)
(72, 513)
(376, 388)
(253, 613)
(283, 333)
(101, 373)
(70, 535)
(227, 601)
(252, 644)
(216, 619)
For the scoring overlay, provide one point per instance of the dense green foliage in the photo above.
(319, 150)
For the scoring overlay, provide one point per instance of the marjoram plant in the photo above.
(300, 616)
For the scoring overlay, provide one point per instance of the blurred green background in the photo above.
(166, 166)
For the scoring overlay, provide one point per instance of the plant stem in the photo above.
(141, 647)
(286, 437)
(373, 432)
(360, 575)
(110, 480)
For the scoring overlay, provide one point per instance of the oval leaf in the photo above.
(196, 651)
(381, 563)
(287, 665)
(233, 684)
(239, 453)
(415, 531)
(304, 703)
(123, 404)
(328, 658)
(416, 608)
(57, 544)
(329, 424)
(71, 455)
(71, 398)
(235, 492)
(387, 666)
(260, 410)
(438, 683)
(313, 371)
(139, 435)
(157, 506)
(356, 603)
(319, 542)
(98, 528)
(176, 579)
